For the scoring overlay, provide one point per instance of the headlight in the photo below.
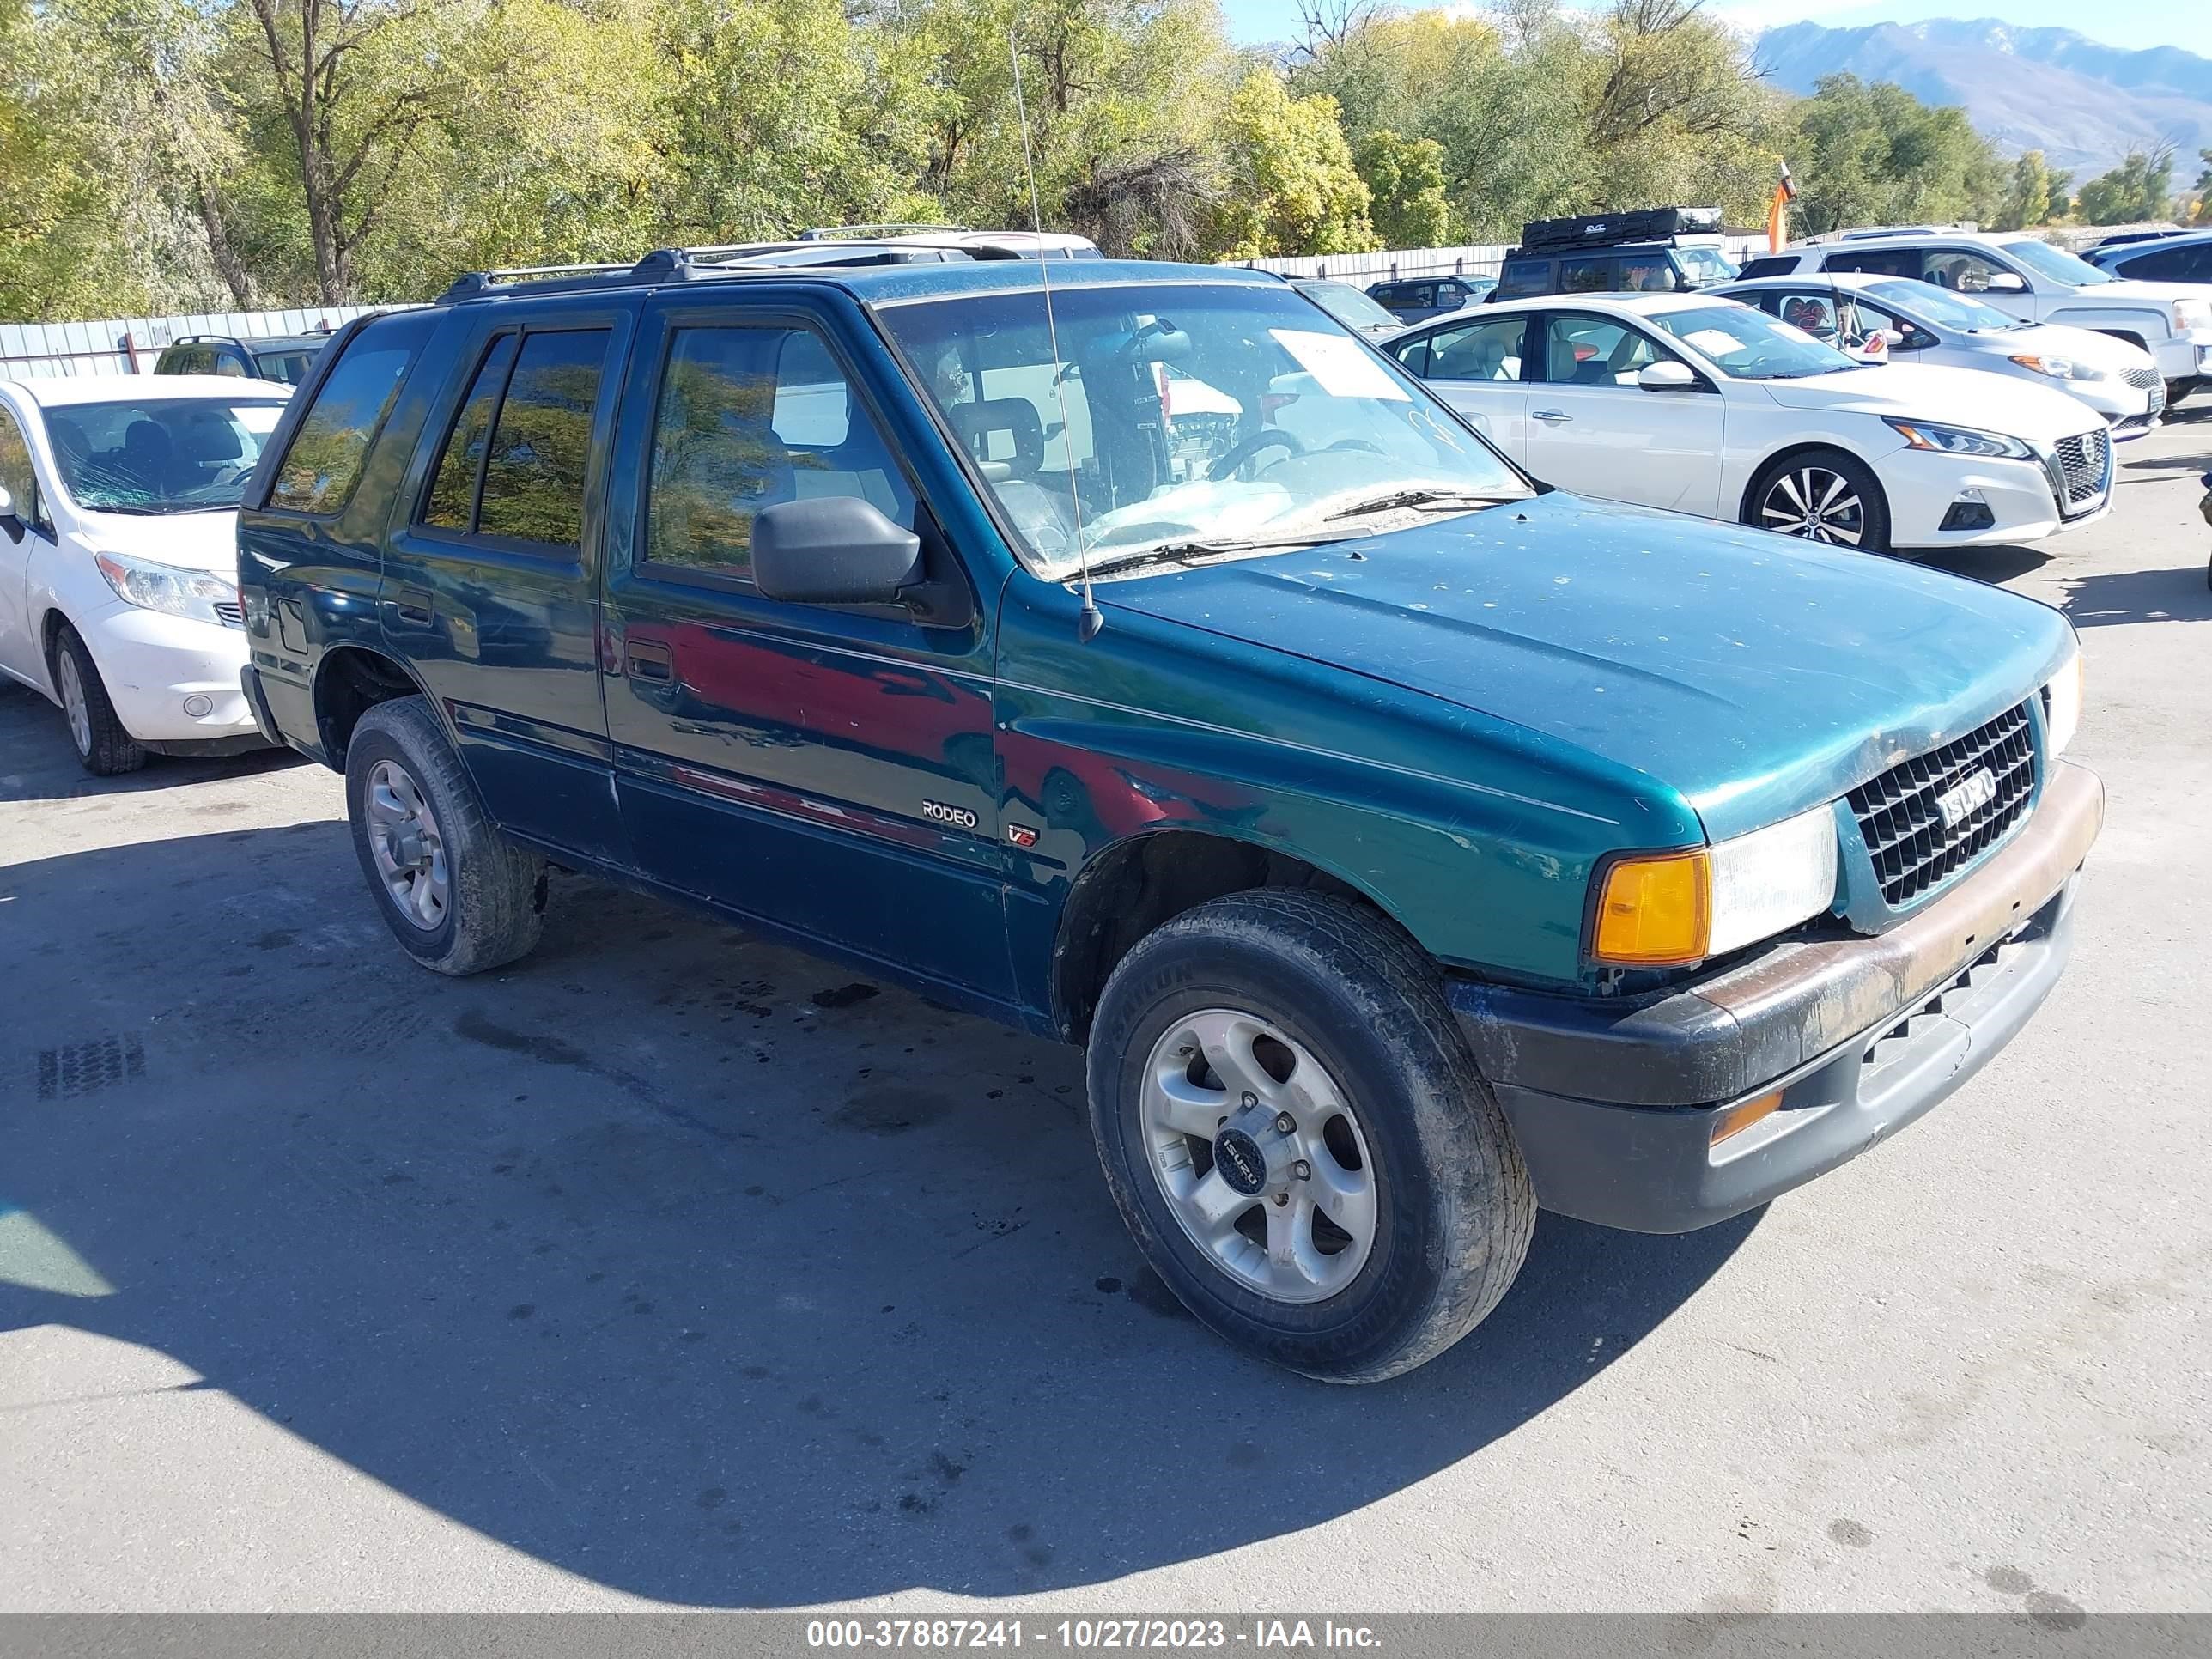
(2062, 368)
(1958, 439)
(1665, 910)
(2061, 705)
(164, 588)
(2192, 313)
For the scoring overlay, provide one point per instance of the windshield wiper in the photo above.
(1446, 498)
(1168, 552)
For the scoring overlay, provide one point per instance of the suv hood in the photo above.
(1952, 397)
(189, 541)
(1755, 674)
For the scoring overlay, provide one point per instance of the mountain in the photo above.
(2083, 104)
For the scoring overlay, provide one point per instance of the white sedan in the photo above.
(1922, 325)
(1705, 405)
(119, 557)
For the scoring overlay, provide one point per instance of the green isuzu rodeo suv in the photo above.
(1128, 652)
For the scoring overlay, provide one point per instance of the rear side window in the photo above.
(332, 440)
(750, 416)
(1585, 276)
(453, 499)
(515, 460)
(2169, 264)
(1882, 262)
(1774, 264)
(1522, 276)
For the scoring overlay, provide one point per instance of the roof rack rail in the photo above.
(863, 232)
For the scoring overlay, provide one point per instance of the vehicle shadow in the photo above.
(681, 1261)
(40, 765)
(1996, 564)
(2111, 598)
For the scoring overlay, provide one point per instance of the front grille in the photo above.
(231, 612)
(1911, 845)
(2083, 465)
(2143, 380)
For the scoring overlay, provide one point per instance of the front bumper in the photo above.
(1615, 1102)
(1923, 487)
(172, 679)
(2186, 356)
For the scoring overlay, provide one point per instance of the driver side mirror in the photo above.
(1666, 376)
(11, 524)
(2005, 282)
(833, 550)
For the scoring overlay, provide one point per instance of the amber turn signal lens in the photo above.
(1737, 1119)
(1655, 912)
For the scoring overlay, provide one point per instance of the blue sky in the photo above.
(2135, 23)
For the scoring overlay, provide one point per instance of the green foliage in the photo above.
(1875, 155)
(2141, 187)
(1405, 179)
(1296, 189)
(2035, 195)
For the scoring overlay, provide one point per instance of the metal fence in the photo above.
(129, 345)
(1476, 260)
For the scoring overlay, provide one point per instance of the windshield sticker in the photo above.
(260, 419)
(1340, 365)
(1718, 343)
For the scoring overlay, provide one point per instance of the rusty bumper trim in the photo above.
(1790, 1005)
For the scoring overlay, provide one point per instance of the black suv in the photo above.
(285, 357)
(1661, 249)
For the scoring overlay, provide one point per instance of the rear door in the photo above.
(829, 771)
(19, 645)
(1593, 430)
(1478, 367)
(490, 585)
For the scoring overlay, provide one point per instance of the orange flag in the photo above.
(1777, 211)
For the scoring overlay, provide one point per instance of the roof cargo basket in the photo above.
(1610, 229)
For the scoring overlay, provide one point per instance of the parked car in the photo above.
(1407, 847)
(1349, 306)
(2181, 256)
(1917, 323)
(1706, 405)
(281, 357)
(1649, 251)
(2035, 282)
(118, 561)
(1414, 300)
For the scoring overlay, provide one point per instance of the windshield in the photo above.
(1704, 264)
(2057, 264)
(289, 367)
(159, 454)
(1208, 418)
(1750, 344)
(1348, 305)
(1941, 306)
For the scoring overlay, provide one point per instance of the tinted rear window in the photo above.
(1774, 264)
(533, 476)
(2169, 264)
(331, 442)
(1525, 277)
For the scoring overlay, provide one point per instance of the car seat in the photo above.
(981, 422)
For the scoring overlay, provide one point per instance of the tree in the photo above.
(2203, 214)
(1873, 154)
(1294, 189)
(1405, 178)
(2030, 199)
(2141, 187)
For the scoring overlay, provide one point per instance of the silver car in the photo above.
(1920, 323)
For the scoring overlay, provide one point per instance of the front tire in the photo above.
(457, 895)
(1298, 1138)
(103, 747)
(1823, 495)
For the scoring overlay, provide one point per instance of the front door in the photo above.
(1476, 367)
(19, 645)
(490, 585)
(1592, 431)
(829, 771)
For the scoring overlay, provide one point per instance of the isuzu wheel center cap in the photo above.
(1240, 1160)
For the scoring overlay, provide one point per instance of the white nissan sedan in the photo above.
(1704, 406)
(119, 557)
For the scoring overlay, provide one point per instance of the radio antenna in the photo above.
(1089, 621)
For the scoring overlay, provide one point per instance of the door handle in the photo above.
(1550, 416)
(412, 605)
(644, 660)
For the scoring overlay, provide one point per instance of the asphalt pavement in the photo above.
(669, 1266)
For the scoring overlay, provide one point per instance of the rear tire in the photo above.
(1823, 495)
(1284, 1005)
(103, 747)
(457, 894)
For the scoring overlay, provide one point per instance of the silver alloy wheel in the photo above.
(74, 705)
(1816, 502)
(1258, 1156)
(410, 854)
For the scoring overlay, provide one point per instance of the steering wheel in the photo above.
(1270, 438)
(1356, 443)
